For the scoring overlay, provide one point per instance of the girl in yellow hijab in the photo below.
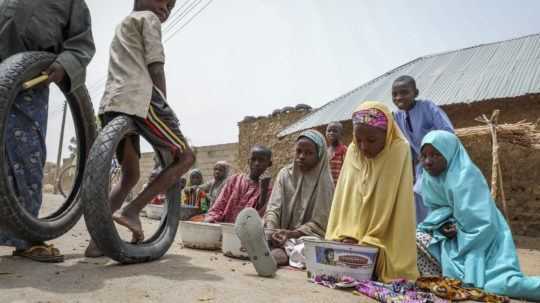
(373, 202)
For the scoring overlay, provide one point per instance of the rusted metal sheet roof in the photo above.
(502, 69)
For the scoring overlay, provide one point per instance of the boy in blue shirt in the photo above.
(416, 118)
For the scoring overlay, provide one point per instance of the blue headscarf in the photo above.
(483, 252)
(317, 138)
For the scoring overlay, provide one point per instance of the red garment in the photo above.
(238, 193)
(336, 162)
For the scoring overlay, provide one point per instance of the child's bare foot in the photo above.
(92, 251)
(132, 222)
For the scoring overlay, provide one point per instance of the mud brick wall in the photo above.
(207, 156)
(264, 130)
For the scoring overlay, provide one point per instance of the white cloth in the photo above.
(295, 250)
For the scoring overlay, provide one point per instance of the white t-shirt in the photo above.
(136, 44)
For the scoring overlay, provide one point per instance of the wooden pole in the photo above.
(496, 171)
(59, 157)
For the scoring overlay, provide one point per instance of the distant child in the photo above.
(244, 190)
(62, 27)
(193, 196)
(416, 118)
(213, 187)
(336, 149)
(136, 88)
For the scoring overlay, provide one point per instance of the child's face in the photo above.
(333, 133)
(162, 8)
(220, 172)
(195, 179)
(403, 95)
(369, 139)
(330, 256)
(258, 163)
(306, 157)
(432, 160)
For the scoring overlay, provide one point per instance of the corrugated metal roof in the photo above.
(490, 71)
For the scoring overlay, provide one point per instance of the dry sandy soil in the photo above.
(183, 275)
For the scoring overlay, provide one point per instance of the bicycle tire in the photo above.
(97, 213)
(14, 217)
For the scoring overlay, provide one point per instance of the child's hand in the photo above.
(279, 238)
(449, 230)
(56, 73)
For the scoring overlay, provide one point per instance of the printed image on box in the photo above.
(343, 258)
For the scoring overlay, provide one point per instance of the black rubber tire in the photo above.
(97, 213)
(13, 216)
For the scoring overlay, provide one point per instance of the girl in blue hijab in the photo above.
(470, 238)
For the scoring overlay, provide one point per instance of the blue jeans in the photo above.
(26, 153)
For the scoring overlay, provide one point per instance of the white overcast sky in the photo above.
(249, 57)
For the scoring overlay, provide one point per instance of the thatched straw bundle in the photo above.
(524, 134)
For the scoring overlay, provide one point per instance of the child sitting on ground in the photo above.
(244, 190)
(416, 118)
(136, 88)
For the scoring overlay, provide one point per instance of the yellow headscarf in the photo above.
(374, 203)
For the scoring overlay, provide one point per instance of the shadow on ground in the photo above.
(80, 275)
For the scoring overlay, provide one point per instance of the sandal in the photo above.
(41, 253)
(249, 228)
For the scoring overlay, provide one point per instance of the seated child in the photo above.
(301, 198)
(470, 238)
(193, 196)
(373, 202)
(244, 190)
(214, 187)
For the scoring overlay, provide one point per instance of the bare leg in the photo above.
(120, 190)
(129, 215)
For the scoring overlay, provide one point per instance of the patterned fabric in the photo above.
(427, 265)
(336, 162)
(454, 290)
(195, 197)
(371, 117)
(397, 291)
(26, 153)
(239, 192)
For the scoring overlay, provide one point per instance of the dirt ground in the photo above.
(183, 275)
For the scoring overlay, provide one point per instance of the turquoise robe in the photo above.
(483, 253)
